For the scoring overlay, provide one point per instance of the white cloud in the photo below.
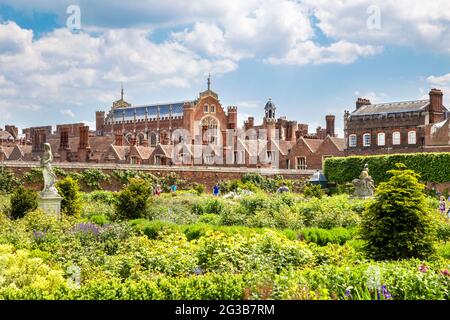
(424, 25)
(309, 53)
(233, 29)
(251, 104)
(441, 82)
(77, 70)
(67, 112)
(374, 97)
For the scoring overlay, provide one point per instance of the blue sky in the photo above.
(311, 57)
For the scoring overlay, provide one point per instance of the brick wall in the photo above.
(208, 176)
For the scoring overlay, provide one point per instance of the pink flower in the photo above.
(423, 268)
(445, 272)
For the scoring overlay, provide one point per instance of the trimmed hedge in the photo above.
(432, 167)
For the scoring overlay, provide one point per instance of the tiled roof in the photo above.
(393, 107)
(339, 142)
(283, 146)
(5, 135)
(7, 151)
(313, 144)
(121, 151)
(145, 152)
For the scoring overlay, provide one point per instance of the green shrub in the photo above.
(153, 228)
(99, 219)
(70, 191)
(93, 178)
(397, 224)
(132, 201)
(323, 236)
(313, 190)
(8, 181)
(199, 188)
(106, 197)
(331, 212)
(432, 167)
(210, 218)
(33, 176)
(23, 201)
(19, 271)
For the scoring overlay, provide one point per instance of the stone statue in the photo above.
(47, 170)
(364, 186)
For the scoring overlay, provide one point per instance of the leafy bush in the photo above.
(106, 197)
(99, 219)
(432, 167)
(397, 224)
(93, 178)
(313, 190)
(33, 176)
(218, 252)
(8, 180)
(70, 191)
(210, 218)
(331, 212)
(323, 236)
(132, 201)
(23, 201)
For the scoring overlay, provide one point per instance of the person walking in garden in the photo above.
(442, 205)
(157, 190)
(216, 190)
(283, 188)
(173, 188)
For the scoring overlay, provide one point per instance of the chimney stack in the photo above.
(436, 106)
(118, 139)
(362, 102)
(83, 147)
(330, 125)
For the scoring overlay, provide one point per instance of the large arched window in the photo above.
(396, 138)
(366, 140)
(209, 126)
(153, 139)
(381, 139)
(412, 137)
(352, 140)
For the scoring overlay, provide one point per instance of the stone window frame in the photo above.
(209, 158)
(394, 135)
(409, 137)
(205, 108)
(239, 157)
(134, 160)
(364, 139)
(351, 145)
(212, 108)
(381, 134)
(299, 165)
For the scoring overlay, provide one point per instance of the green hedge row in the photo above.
(432, 167)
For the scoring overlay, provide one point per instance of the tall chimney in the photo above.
(99, 122)
(83, 147)
(436, 107)
(63, 143)
(362, 102)
(330, 125)
(118, 139)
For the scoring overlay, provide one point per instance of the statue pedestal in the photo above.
(50, 203)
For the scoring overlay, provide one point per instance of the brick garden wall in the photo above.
(207, 176)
